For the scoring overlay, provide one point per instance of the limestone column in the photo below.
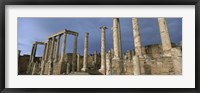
(78, 62)
(116, 39)
(136, 63)
(117, 63)
(136, 37)
(74, 53)
(57, 49)
(43, 58)
(165, 39)
(108, 63)
(103, 50)
(51, 56)
(63, 47)
(95, 59)
(119, 35)
(85, 59)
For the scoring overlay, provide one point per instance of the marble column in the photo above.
(136, 64)
(85, 59)
(136, 37)
(78, 62)
(165, 39)
(57, 49)
(74, 53)
(51, 56)
(103, 50)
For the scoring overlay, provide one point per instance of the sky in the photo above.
(38, 29)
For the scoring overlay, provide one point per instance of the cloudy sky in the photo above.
(38, 29)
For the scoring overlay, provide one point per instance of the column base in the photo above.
(117, 66)
(84, 69)
(102, 71)
(59, 68)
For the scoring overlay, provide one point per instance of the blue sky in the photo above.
(38, 29)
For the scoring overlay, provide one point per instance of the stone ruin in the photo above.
(158, 59)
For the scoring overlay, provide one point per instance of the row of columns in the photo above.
(52, 52)
(166, 43)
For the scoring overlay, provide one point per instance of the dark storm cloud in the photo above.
(38, 29)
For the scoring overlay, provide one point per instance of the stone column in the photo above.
(78, 62)
(95, 59)
(63, 47)
(117, 63)
(108, 63)
(43, 58)
(51, 56)
(165, 39)
(57, 49)
(85, 59)
(116, 39)
(136, 63)
(103, 50)
(74, 53)
(31, 59)
(136, 37)
(119, 35)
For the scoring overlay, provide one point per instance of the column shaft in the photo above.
(85, 58)
(103, 50)
(165, 39)
(74, 54)
(136, 37)
(63, 47)
(116, 39)
(57, 49)
(51, 56)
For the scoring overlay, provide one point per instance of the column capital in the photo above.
(103, 27)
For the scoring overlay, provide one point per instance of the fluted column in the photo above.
(51, 56)
(103, 50)
(85, 59)
(74, 53)
(57, 49)
(136, 37)
(165, 39)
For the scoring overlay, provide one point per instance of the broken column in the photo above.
(136, 37)
(117, 63)
(165, 39)
(85, 58)
(103, 50)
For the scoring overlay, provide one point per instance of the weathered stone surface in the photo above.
(103, 50)
(85, 59)
(165, 39)
(137, 68)
(177, 60)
